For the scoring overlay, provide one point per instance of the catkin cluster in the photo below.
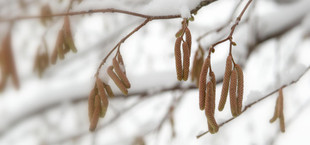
(98, 98)
(233, 80)
(182, 68)
(64, 42)
(7, 64)
(98, 102)
(278, 111)
(118, 74)
(41, 61)
(207, 94)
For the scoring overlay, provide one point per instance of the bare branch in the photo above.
(111, 10)
(259, 100)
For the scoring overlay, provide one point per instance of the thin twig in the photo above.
(230, 36)
(259, 100)
(120, 42)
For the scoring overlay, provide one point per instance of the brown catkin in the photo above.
(280, 102)
(120, 73)
(54, 56)
(96, 114)
(282, 123)
(281, 115)
(202, 83)
(109, 90)
(232, 93)
(186, 60)
(209, 107)
(188, 39)
(240, 88)
(59, 44)
(91, 103)
(197, 65)
(178, 59)
(117, 81)
(225, 83)
(120, 60)
(8, 60)
(276, 112)
(68, 35)
(213, 80)
(194, 67)
(103, 96)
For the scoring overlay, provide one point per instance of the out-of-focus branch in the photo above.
(259, 100)
(112, 10)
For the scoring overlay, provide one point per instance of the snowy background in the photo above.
(273, 45)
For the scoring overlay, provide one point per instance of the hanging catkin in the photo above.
(210, 107)
(188, 39)
(197, 65)
(225, 83)
(232, 93)
(178, 59)
(91, 103)
(117, 81)
(240, 88)
(213, 80)
(68, 39)
(103, 96)
(96, 114)
(186, 57)
(202, 83)
(120, 73)
(281, 115)
(109, 90)
(278, 112)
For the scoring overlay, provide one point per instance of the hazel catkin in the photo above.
(96, 114)
(202, 83)
(232, 93)
(178, 59)
(225, 83)
(186, 61)
(116, 80)
(240, 88)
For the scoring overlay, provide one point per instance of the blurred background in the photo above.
(50, 105)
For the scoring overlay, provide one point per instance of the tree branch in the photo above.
(259, 100)
(111, 10)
